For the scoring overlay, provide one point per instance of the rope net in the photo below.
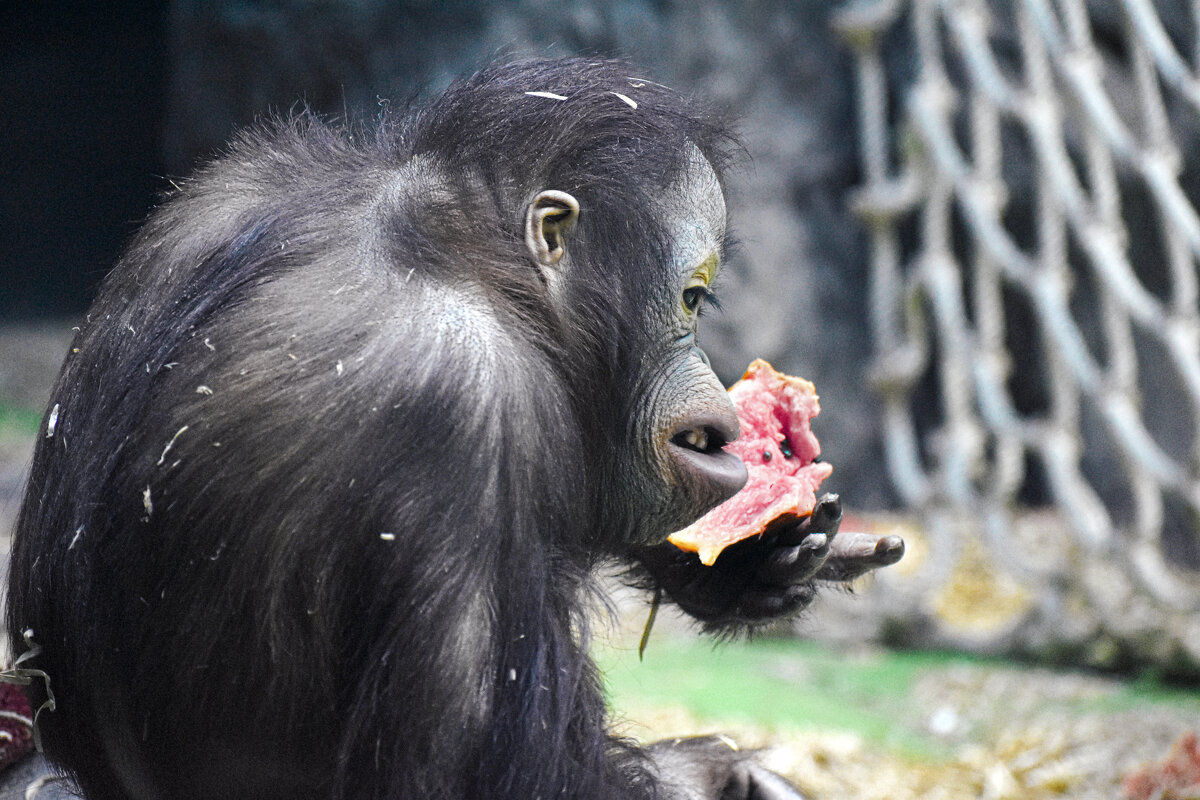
(1034, 301)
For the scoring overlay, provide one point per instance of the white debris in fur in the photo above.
(638, 83)
(728, 742)
(52, 423)
(170, 444)
(202, 389)
(627, 100)
(388, 537)
(147, 503)
(547, 95)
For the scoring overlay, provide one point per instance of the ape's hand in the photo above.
(771, 576)
(710, 768)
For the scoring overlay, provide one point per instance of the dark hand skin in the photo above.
(769, 576)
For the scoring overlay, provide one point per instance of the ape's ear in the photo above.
(549, 216)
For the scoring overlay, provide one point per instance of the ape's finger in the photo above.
(758, 604)
(854, 554)
(825, 518)
(827, 515)
(787, 565)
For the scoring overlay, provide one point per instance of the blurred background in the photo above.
(971, 224)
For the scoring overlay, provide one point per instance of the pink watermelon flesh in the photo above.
(779, 449)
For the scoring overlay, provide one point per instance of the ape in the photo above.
(346, 432)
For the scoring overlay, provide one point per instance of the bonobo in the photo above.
(333, 458)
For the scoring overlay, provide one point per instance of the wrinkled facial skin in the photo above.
(687, 416)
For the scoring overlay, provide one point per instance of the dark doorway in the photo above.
(81, 99)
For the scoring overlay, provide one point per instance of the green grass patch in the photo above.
(797, 685)
(777, 684)
(19, 422)
(1147, 690)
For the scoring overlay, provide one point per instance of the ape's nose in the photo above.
(697, 448)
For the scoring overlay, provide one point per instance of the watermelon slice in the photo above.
(780, 452)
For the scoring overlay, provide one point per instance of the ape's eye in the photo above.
(694, 297)
(696, 292)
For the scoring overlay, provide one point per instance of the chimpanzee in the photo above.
(332, 461)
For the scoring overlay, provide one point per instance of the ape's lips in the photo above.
(779, 450)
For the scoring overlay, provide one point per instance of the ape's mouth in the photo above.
(707, 440)
(698, 452)
(780, 451)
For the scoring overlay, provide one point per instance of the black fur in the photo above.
(328, 473)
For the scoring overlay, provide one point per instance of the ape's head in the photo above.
(615, 185)
(664, 445)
